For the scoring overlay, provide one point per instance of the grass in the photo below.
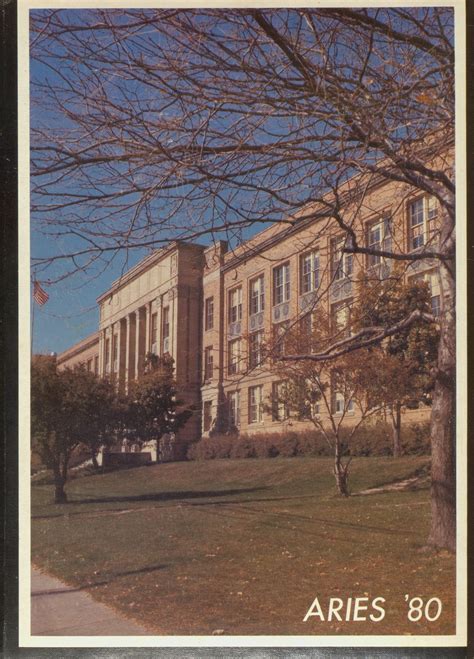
(244, 546)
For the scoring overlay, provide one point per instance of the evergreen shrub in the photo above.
(373, 439)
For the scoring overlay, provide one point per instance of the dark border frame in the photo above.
(9, 371)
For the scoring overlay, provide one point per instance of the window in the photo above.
(107, 355)
(208, 363)
(279, 335)
(255, 349)
(234, 409)
(96, 364)
(339, 403)
(341, 319)
(207, 415)
(235, 305)
(115, 352)
(257, 295)
(234, 356)
(255, 404)
(432, 279)
(209, 313)
(281, 284)
(279, 407)
(433, 282)
(309, 272)
(89, 365)
(341, 262)
(379, 237)
(154, 332)
(165, 323)
(305, 333)
(423, 220)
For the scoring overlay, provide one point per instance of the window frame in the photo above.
(314, 273)
(234, 414)
(276, 404)
(233, 368)
(255, 404)
(428, 226)
(305, 332)
(385, 225)
(337, 397)
(237, 307)
(208, 363)
(427, 277)
(259, 298)
(258, 348)
(279, 339)
(165, 323)
(115, 350)
(154, 328)
(284, 286)
(341, 272)
(209, 313)
(165, 330)
(345, 331)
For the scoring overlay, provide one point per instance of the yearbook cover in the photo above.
(243, 326)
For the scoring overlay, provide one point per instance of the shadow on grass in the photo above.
(112, 576)
(239, 509)
(156, 497)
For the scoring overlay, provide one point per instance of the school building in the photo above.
(214, 308)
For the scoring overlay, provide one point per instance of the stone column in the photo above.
(107, 352)
(138, 333)
(101, 352)
(122, 350)
(147, 327)
(117, 330)
(132, 346)
(159, 326)
(173, 322)
(127, 350)
(139, 341)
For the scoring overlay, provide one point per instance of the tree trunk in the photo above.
(340, 472)
(443, 461)
(95, 464)
(396, 430)
(60, 495)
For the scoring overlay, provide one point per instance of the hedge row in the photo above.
(371, 440)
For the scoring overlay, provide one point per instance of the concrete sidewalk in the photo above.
(61, 610)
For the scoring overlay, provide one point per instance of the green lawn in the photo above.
(245, 546)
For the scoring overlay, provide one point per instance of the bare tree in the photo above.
(150, 125)
(337, 396)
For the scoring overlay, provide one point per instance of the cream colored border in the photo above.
(25, 638)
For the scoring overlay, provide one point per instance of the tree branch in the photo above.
(357, 341)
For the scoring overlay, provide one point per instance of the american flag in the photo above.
(40, 296)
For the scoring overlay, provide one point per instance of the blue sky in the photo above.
(71, 312)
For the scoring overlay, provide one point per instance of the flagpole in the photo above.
(32, 317)
(40, 297)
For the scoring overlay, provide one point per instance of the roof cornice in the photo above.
(144, 264)
(76, 349)
(249, 250)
